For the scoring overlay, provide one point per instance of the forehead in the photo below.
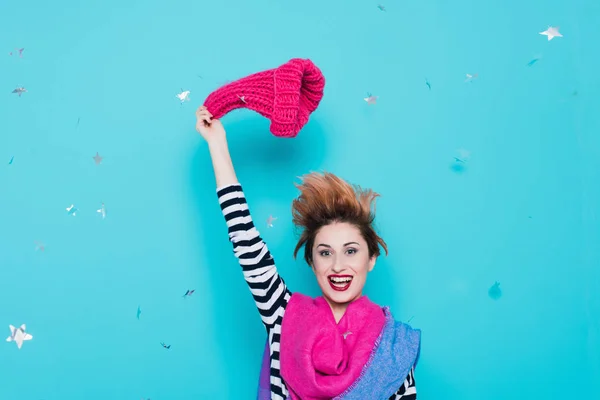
(337, 234)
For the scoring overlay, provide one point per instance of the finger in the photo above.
(204, 115)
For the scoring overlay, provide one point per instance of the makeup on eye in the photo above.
(351, 249)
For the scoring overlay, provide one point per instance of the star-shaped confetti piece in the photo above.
(71, 210)
(370, 99)
(345, 334)
(19, 91)
(18, 335)
(494, 291)
(20, 51)
(534, 60)
(11, 160)
(184, 95)
(139, 311)
(470, 77)
(551, 32)
(97, 158)
(463, 156)
(102, 211)
(188, 293)
(382, 8)
(427, 83)
(166, 346)
(460, 161)
(39, 246)
(243, 99)
(270, 221)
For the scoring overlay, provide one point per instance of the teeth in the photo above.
(340, 280)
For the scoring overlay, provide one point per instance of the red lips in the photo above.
(339, 288)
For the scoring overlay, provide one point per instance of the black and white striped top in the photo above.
(268, 289)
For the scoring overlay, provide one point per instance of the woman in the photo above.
(339, 345)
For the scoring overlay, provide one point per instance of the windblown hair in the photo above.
(324, 199)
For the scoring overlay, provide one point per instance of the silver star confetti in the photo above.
(382, 8)
(102, 211)
(427, 83)
(139, 312)
(459, 164)
(20, 51)
(97, 158)
(184, 95)
(551, 32)
(39, 246)
(270, 221)
(470, 77)
(71, 210)
(494, 291)
(345, 334)
(464, 155)
(242, 98)
(370, 99)
(534, 60)
(18, 335)
(19, 91)
(11, 160)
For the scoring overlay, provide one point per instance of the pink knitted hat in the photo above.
(286, 95)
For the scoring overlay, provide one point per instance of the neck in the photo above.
(339, 309)
(339, 312)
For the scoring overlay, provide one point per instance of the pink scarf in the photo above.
(319, 358)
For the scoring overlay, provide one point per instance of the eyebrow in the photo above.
(345, 244)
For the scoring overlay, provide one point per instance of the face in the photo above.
(341, 262)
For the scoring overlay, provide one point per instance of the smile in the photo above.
(340, 283)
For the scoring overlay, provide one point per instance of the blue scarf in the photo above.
(394, 354)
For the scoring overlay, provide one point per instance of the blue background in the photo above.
(103, 77)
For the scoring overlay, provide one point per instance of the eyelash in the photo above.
(324, 251)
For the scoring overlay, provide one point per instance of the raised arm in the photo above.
(258, 266)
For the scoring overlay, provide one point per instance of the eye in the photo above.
(352, 251)
(322, 253)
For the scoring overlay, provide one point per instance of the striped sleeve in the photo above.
(408, 390)
(268, 289)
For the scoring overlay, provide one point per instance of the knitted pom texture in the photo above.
(286, 95)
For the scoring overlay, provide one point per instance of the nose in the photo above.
(338, 266)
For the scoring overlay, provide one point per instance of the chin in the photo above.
(341, 297)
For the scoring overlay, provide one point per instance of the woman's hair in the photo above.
(325, 199)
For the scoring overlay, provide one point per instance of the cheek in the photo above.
(319, 268)
(321, 265)
(362, 267)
